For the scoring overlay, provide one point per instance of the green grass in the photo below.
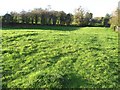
(74, 58)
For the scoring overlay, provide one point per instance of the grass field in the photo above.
(60, 58)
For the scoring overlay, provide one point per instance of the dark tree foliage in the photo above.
(54, 17)
(106, 20)
(7, 18)
(62, 16)
(69, 19)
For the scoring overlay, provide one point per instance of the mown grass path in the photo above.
(78, 58)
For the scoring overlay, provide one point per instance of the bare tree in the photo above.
(79, 16)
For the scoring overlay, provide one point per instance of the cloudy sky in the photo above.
(97, 7)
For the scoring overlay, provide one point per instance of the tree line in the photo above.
(39, 16)
(52, 17)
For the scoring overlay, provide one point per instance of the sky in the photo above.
(97, 7)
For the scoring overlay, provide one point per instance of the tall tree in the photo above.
(36, 14)
(7, 18)
(31, 14)
(115, 20)
(43, 19)
(88, 18)
(54, 17)
(106, 20)
(62, 16)
(23, 16)
(79, 16)
(15, 17)
(69, 19)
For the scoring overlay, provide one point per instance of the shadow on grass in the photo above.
(66, 80)
(75, 81)
(40, 27)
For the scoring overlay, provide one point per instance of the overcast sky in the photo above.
(97, 7)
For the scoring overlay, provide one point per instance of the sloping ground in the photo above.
(86, 57)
